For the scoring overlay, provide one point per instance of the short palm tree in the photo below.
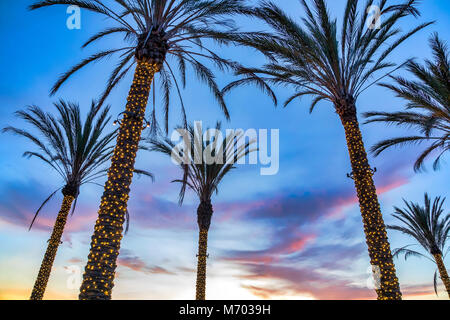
(428, 107)
(203, 176)
(430, 226)
(160, 36)
(77, 151)
(315, 60)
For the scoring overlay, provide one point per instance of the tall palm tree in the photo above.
(428, 107)
(314, 60)
(203, 176)
(431, 228)
(159, 36)
(77, 151)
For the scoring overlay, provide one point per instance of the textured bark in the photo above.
(98, 279)
(204, 214)
(374, 227)
(443, 272)
(46, 267)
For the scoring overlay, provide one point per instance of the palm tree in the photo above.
(76, 151)
(428, 225)
(314, 60)
(203, 174)
(428, 107)
(153, 31)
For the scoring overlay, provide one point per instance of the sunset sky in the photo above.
(294, 235)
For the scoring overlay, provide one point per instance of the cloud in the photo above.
(293, 215)
(302, 282)
(291, 220)
(126, 259)
(268, 293)
(286, 245)
(422, 291)
(186, 269)
(20, 202)
(315, 271)
(298, 256)
(151, 212)
(291, 257)
(75, 261)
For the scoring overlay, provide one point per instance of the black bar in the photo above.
(230, 310)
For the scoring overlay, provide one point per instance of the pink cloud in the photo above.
(342, 204)
(298, 245)
(302, 282)
(138, 265)
(392, 185)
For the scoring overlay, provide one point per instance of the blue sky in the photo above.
(297, 234)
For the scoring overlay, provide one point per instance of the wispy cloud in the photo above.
(128, 260)
(21, 202)
(297, 256)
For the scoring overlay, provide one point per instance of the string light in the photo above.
(442, 271)
(204, 214)
(98, 279)
(201, 264)
(46, 267)
(374, 227)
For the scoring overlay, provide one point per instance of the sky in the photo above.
(297, 234)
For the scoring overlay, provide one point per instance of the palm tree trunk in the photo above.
(374, 227)
(443, 272)
(204, 214)
(53, 244)
(98, 279)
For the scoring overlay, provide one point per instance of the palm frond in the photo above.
(77, 150)
(183, 24)
(435, 282)
(427, 224)
(201, 175)
(428, 95)
(42, 206)
(315, 58)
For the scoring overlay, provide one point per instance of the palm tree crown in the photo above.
(76, 150)
(168, 32)
(315, 60)
(429, 226)
(428, 107)
(203, 177)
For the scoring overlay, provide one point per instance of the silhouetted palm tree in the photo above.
(430, 226)
(314, 60)
(77, 151)
(153, 31)
(428, 107)
(203, 174)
